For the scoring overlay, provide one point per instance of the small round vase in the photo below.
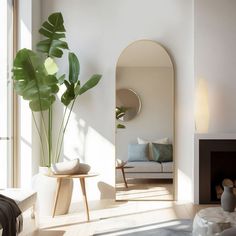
(228, 199)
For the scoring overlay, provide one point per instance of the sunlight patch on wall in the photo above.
(184, 187)
(99, 154)
(202, 115)
(91, 147)
(75, 139)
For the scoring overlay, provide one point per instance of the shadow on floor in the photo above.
(167, 228)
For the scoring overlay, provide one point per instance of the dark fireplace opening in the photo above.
(223, 165)
(217, 161)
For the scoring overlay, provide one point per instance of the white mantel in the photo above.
(197, 137)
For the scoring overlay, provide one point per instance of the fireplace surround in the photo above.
(217, 160)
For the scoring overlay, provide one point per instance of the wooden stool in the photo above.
(123, 172)
(83, 187)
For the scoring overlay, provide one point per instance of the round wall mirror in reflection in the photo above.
(128, 104)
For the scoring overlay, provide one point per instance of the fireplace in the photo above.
(217, 161)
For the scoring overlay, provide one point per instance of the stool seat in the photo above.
(24, 198)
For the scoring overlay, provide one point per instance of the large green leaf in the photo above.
(73, 67)
(53, 30)
(92, 82)
(77, 88)
(61, 79)
(69, 94)
(72, 86)
(32, 82)
(43, 105)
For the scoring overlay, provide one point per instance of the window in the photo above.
(6, 55)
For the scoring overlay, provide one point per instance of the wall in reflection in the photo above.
(155, 120)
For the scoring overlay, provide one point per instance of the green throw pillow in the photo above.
(162, 152)
(138, 152)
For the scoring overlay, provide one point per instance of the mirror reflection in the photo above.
(144, 145)
(127, 103)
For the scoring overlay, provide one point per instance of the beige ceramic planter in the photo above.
(46, 189)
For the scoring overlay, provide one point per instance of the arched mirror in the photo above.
(128, 102)
(144, 145)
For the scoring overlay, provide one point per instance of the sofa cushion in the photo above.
(162, 152)
(144, 167)
(167, 167)
(138, 152)
(144, 141)
(161, 140)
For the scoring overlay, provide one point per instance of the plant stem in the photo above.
(63, 134)
(44, 129)
(40, 137)
(50, 136)
(51, 132)
(39, 97)
(59, 134)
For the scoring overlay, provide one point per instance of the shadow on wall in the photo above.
(105, 190)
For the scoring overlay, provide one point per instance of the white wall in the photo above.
(98, 31)
(154, 85)
(215, 60)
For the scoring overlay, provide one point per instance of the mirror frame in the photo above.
(175, 173)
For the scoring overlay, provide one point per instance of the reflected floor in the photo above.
(145, 190)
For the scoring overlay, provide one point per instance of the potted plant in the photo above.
(120, 112)
(36, 79)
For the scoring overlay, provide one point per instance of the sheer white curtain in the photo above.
(6, 52)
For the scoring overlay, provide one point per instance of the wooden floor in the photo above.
(142, 204)
(145, 190)
(109, 215)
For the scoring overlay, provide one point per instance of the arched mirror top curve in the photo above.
(144, 53)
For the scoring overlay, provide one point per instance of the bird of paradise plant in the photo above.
(35, 78)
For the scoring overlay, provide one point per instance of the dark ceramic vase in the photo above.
(228, 199)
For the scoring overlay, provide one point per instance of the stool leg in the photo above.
(56, 196)
(82, 183)
(33, 212)
(123, 173)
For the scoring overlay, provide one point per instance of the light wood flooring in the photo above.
(145, 190)
(113, 216)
